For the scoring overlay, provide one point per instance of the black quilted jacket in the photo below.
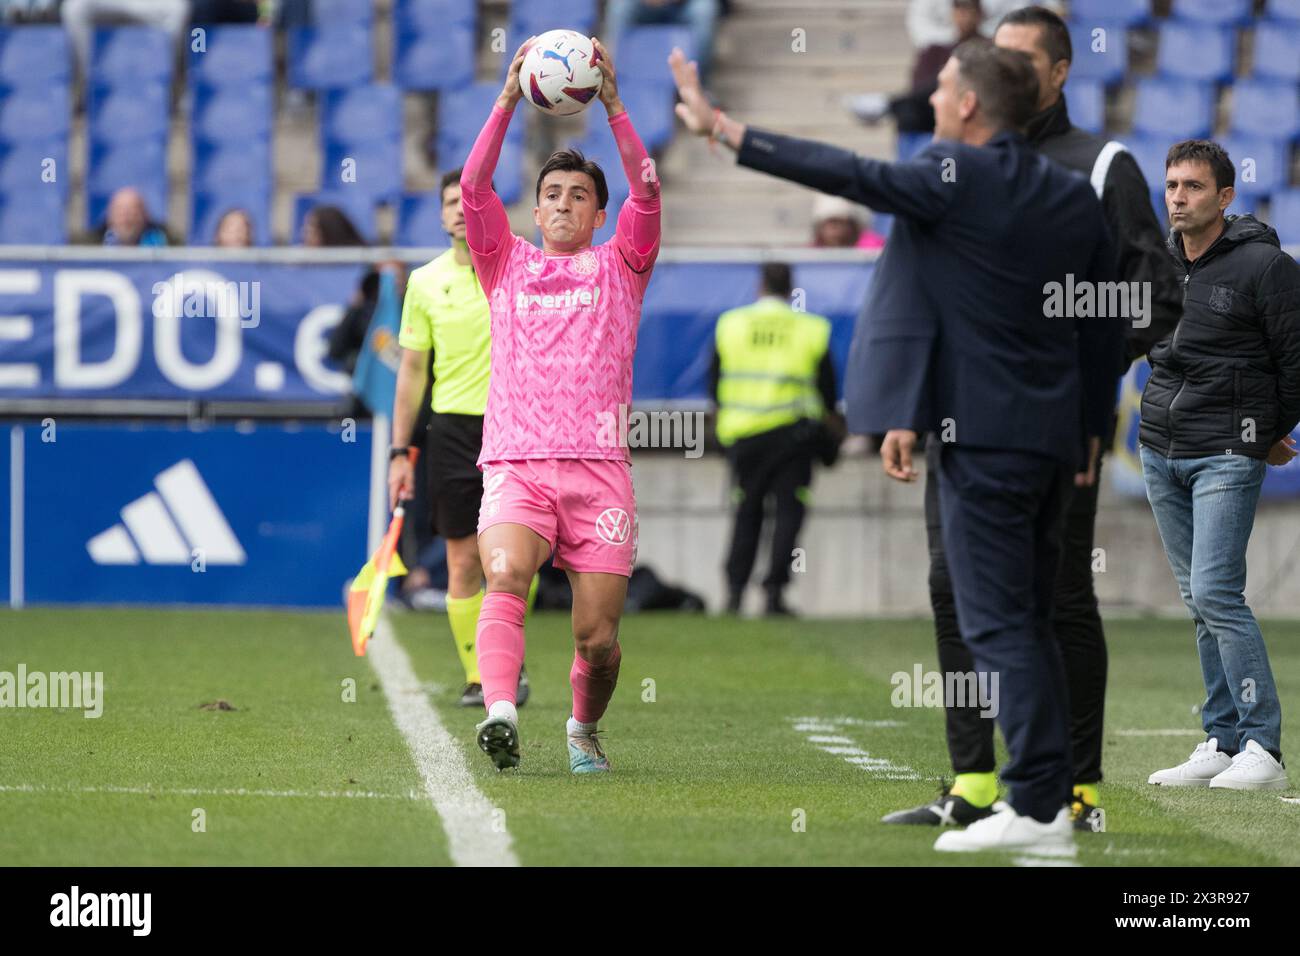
(1227, 379)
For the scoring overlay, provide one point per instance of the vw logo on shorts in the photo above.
(613, 526)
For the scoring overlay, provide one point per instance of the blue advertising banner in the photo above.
(159, 514)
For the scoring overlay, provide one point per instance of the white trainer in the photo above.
(1205, 763)
(1008, 830)
(1254, 768)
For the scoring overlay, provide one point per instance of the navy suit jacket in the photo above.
(954, 336)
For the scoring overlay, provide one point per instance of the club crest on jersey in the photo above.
(586, 263)
(613, 526)
(534, 266)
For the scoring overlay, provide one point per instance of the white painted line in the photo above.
(845, 751)
(16, 517)
(1165, 732)
(1042, 861)
(1289, 799)
(819, 731)
(213, 792)
(476, 834)
(828, 739)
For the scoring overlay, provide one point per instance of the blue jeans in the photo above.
(1205, 509)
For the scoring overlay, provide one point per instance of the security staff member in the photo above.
(774, 385)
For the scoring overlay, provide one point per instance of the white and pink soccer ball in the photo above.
(559, 73)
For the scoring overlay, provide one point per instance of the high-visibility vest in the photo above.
(769, 356)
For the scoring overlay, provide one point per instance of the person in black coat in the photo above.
(966, 334)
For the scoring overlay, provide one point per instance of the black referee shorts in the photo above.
(451, 454)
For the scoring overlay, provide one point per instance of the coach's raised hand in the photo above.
(608, 83)
(512, 92)
(695, 111)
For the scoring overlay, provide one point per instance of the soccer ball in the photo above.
(559, 73)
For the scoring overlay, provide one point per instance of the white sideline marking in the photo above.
(828, 739)
(212, 792)
(473, 837)
(1289, 799)
(1043, 861)
(1165, 732)
(823, 733)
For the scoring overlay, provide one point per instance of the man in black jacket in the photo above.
(1222, 399)
(1145, 265)
(956, 339)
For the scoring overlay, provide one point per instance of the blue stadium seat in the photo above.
(1284, 215)
(207, 208)
(230, 113)
(127, 55)
(1175, 109)
(34, 56)
(353, 12)
(651, 107)
(374, 168)
(361, 114)
(120, 114)
(419, 220)
(1196, 51)
(1129, 13)
(28, 167)
(1100, 51)
(1086, 102)
(232, 56)
(1271, 162)
(142, 165)
(430, 16)
(1221, 12)
(538, 16)
(218, 165)
(1276, 43)
(434, 59)
(1283, 9)
(1266, 108)
(461, 114)
(31, 114)
(1149, 152)
(643, 52)
(330, 58)
(34, 218)
(356, 205)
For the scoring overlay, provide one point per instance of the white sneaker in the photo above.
(1205, 763)
(1252, 769)
(1008, 830)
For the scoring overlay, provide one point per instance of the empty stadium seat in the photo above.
(1222, 12)
(232, 112)
(1086, 102)
(1176, 109)
(207, 208)
(1276, 43)
(374, 168)
(651, 107)
(356, 12)
(1266, 108)
(432, 15)
(232, 56)
(643, 52)
(1127, 12)
(32, 218)
(141, 165)
(122, 55)
(1284, 215)
(440, 58)
(331, 57)
(354, 204)
(1196, 51)
(1100, 51)
(538, 16)
(119, 114)
(461, 114)
(1283, 9)
(222, 164)
(361, 114)
(419, 220)
(1149, 152)
(29, 166)
(32, 114)
(1271, 164)
(34, 56)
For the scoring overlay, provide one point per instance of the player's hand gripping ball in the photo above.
(559, 73)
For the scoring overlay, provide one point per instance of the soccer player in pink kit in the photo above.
(564, 325)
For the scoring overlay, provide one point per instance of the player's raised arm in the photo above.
(487, 227)
(638, 230)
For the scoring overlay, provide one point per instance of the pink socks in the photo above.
(593, 685)
(500, 640)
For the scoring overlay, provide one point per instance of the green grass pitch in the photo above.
(710, 763)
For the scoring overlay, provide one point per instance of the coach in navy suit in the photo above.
(977, 330)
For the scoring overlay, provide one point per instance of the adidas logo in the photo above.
(167, 525)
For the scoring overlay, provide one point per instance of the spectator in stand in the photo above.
(329, 226)
(930, 22)
(840, 224)
(234, 229)
(700, 15)
(225, 11)
(127, 222)
(80, 17)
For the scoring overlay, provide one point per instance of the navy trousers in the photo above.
(1002, 513)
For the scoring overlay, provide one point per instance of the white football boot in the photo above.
(1252, 769)
(1205, 763)
(1008, 830)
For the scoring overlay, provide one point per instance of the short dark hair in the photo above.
(450, 178)
(1053, 34)
(572, 161)
(1003, 80)
(1204, 151)
(776, 279)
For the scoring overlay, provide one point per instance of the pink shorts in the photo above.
(584, 508)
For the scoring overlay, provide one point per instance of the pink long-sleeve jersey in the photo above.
(563, 326)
